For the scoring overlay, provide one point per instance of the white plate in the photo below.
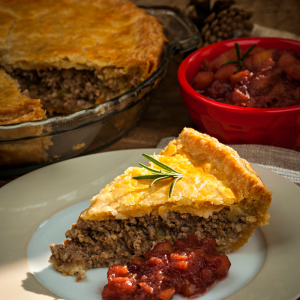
(250, 258)
(29, 201)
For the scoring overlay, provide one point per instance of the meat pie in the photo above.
(74, 54)
(219, 196)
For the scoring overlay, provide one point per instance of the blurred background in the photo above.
(159, 121)
(278, 14)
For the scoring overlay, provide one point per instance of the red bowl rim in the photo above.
(195, 95)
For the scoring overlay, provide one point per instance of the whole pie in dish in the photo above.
(219, 195)
(74, 54)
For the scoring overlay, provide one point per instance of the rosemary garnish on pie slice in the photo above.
(238, 53)
(166, 172)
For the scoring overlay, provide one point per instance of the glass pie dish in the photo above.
(31, 145)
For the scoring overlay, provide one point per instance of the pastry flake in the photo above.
(15, 106)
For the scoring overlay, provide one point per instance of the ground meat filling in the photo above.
(69, 90)
(94, 244)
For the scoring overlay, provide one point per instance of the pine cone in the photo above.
(221, 22)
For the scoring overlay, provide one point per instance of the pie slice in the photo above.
(17, 107)
(219, 195)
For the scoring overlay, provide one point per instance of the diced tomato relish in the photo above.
(268, 78)
(189, 268)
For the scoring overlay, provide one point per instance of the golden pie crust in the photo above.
(17, 107)
(78, 34)
(215, 177)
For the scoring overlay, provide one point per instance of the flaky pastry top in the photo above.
(17, 107)
(214, 177)
(10, 94)
(37, 34)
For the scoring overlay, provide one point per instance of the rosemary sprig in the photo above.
(166, 172)
(238, 53)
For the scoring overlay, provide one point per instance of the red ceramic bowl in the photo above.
(231, 124)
